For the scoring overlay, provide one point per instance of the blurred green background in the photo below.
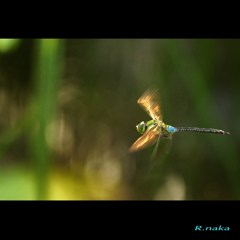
(68, 110)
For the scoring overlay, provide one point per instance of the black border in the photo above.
(144, 218)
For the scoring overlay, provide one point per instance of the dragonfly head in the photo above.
(141, 127)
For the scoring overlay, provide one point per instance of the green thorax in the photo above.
(161, 124)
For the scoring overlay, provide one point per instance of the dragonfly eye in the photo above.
(141, 127)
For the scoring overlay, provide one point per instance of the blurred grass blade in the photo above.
(47, 77)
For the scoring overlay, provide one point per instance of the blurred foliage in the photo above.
(68, 112)
(7, 45)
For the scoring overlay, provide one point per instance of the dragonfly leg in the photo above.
(155, 148)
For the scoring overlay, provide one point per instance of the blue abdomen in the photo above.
(171, 129)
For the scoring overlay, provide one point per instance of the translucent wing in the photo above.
(149, 101)
(148, 138)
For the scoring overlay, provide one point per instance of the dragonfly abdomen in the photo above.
(171, 129)
(204, 130)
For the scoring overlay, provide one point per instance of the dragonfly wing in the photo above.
(148, 138)
(149, 101)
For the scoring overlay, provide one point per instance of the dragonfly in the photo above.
(155, 129)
